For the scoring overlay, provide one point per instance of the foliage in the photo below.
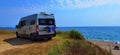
(77, 47)
(62, 34)
(76, 35)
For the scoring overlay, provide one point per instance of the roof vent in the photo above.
(42, 12)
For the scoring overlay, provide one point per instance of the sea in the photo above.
(110, 34)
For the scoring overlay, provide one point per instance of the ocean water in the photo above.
(8, 28)
(110, 34)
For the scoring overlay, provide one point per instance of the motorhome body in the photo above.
(37, 26)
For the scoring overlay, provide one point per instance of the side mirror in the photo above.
(17, 26)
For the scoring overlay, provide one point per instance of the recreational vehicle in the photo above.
(37, 26)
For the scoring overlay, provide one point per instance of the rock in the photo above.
(116, 47)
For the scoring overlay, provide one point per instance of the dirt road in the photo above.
(8, 42)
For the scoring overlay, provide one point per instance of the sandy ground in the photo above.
(8, 42)
(108, 46)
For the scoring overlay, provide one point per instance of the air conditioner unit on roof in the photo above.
(42, 13)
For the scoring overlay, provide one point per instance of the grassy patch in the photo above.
(7, 32)
(77, 47)
(62, 34)
(73, 34)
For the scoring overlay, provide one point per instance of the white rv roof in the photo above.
(33, 16)
(42, 15)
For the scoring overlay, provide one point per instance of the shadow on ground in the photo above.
(21, 41)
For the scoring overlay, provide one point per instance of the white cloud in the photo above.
(41, 5)
(70, 4)
(85, 3)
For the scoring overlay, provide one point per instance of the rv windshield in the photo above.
(46, 22)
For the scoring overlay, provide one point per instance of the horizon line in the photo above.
(65, 26)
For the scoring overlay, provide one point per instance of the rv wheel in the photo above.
(49, 38)
(17, 35)
(32, 38)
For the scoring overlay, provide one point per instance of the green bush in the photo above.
(59, 48)
(59, 32)
(76, 35)
(62, 34)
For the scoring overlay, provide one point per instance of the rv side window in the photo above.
(32, 22)
(23, 23)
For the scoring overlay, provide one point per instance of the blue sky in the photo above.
(67, 12)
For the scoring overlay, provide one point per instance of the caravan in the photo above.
(37, 26)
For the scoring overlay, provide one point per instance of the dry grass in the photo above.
(7, 32)
(45, 47)
(77, 47)
(5, 35)
(38, 48)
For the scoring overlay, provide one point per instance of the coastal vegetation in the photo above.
(77, 45)
(65, 43)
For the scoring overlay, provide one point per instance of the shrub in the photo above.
(76, 35)
(77, 47)
(59, 49)
(59, 32)
(63, 34)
